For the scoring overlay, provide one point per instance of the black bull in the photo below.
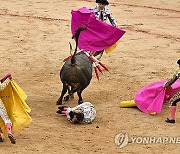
(77, 77)
(75, 74)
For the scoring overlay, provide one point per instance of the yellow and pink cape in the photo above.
(18, 111)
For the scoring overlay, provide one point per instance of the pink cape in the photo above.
(5, 77)
(151, 97)
(98, 36)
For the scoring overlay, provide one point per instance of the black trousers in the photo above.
(175, 99)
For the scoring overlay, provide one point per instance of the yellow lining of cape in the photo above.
(111, 48)
(14, 98)
(130, 103)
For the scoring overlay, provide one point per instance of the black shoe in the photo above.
(12, 139)
(61, 107)
(170, 121)
(59, 111)
(1, 139)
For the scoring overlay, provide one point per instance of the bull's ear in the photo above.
(71, 52)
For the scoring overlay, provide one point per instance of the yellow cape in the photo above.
(111, 48)
(14, 98)
(130, 103)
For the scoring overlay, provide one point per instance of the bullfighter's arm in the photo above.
(111, 18)
(171, 81)
(4, 84)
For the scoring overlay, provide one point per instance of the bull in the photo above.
(76, 73)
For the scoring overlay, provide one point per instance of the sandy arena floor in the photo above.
(34, 40)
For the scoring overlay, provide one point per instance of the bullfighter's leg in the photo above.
(61, 108)
(7, 122)
(64, 90)
(173, 101)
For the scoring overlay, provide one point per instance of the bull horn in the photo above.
(71, 52)
(99, 56)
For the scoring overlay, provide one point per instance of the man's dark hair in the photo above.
(79, 116)
(71, 114)
(102, 2)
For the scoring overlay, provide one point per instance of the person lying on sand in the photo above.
(83, 113)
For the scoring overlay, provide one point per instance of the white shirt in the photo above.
(87, 109)
(106, 13)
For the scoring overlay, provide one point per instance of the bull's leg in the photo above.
(79, 92)
(64, 90)
(66, 98)
(70, 94)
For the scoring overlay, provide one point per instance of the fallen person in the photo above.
(83, 113)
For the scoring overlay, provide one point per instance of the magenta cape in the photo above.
(99, 35)
(151, 97)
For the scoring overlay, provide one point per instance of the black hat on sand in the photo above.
(102, 2)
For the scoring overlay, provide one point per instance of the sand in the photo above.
(34, 41)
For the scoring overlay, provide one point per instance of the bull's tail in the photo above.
(76, 37)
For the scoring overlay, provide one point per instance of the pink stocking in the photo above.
(173, 112)
(8, 128)
(64, 112)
